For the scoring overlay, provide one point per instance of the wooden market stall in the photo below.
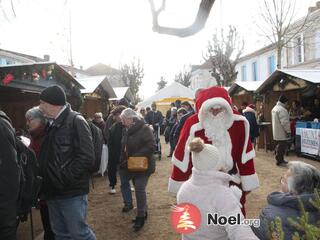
(96, 93)
(21, 84)
(296, 84)
(241, 92)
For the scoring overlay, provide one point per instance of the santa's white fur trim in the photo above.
(237, 193)
(174, 186)
(183, 165)
(246, 156)
(249, 182)
(206, 105)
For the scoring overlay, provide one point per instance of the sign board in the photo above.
(310, 141)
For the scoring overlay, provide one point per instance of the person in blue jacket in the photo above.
(250, 114)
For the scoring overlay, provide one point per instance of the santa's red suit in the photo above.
(237, 152)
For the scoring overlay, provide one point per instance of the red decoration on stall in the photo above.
(35, 76)
(7, 79)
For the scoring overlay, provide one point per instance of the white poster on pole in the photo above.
(310, 141)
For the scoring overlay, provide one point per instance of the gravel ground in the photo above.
(108, 222)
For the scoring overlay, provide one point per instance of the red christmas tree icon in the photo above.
(185, 221)
(185, 218)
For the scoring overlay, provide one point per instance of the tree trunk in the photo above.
(279, 55)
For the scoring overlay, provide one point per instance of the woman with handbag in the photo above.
(136, 163)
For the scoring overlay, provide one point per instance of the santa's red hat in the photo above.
(214, 96)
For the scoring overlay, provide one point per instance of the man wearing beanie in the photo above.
(207, 175)
(66, 156)
(281, 129)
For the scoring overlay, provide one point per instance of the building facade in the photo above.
(201, 76)
(302, 51)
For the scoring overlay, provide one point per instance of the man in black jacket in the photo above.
(154, 117)
(66, 156)
(9, 179)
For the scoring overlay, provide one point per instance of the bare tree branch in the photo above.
(199, 22)
(279, 15)
(224, 52)
(12, 8)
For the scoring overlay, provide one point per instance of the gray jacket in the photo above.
(285, 205)
(280, 122)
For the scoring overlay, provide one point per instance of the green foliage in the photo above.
(132, 75)
(276, 229)
(162, 83)
(308, 231)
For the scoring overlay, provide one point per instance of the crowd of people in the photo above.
(212, 151)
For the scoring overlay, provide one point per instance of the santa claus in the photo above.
(218, 124)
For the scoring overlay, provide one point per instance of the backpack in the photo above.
(97, 140)
(30, 180)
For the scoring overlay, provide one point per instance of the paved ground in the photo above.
(108, 222)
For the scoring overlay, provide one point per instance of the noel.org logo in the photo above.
(185, 218)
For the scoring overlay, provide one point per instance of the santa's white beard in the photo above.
(217, 132)
(215, 128)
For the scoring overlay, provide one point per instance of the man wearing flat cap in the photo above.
(66, 156)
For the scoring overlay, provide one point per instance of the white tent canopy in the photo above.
(174, 90)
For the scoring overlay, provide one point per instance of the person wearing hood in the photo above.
(250, 114)
(216, 123)
(9, 179)
(207, 174)
(298, 183)
(281, 129)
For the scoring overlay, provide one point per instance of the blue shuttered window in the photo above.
(244, 73)
(271, 64)
(255, 71)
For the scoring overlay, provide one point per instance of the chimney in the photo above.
(312, 9)
(46, 57)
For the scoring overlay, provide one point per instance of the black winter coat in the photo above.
(9, 177)
(154, 117)
(139, 141)
(66, 156)
(114, 144)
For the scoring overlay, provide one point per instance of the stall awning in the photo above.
(309, 75)
(249, 86)
(122, 92)
(92, 83)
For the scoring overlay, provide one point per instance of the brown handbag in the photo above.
(137, 164)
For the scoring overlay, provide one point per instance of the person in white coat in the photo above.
(281, 129)
(208, 189)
